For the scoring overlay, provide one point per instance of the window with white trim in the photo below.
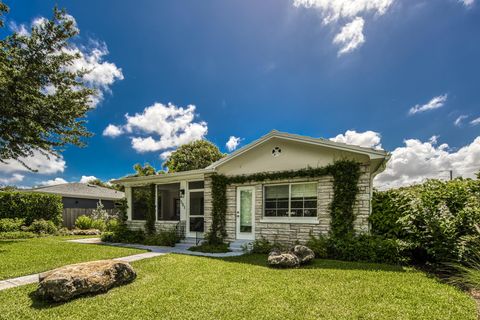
(295, 200)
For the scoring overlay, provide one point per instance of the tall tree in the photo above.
(43, 99)
(198, 154)
(145, 170)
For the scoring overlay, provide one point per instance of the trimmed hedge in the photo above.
(438, 221)
(31, 206)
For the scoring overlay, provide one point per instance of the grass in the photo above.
(188, 287)
(27, 256)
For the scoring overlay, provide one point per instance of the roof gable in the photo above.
(334, 147)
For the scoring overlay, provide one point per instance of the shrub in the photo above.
(124, 235)
(437, 219)
(112, 225)
(8, 224)
(31, 206)
(100, 213)
(367, 248)
(208, 248)
(108, 236)
(99, 224)
(163, 238)
(84, 222)
(319, 245)
(16, 235)
(42, 227)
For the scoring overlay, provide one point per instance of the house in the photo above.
(81, 198)
(284, 210)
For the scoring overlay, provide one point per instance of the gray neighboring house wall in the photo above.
(285, 211)
(81, 198)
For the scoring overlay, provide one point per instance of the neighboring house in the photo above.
(82, 198)
(285, 210)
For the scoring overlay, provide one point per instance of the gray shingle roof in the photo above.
(81, 190)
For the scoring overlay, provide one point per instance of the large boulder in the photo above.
(68, 282)
(303, 253)
(282, 260)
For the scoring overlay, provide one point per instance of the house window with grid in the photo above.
(295, 200)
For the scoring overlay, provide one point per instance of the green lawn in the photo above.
(188, 287)
(27, 256)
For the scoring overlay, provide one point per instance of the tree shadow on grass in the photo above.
(261, 260)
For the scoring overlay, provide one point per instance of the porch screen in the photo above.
(140, 198)
(168, 202)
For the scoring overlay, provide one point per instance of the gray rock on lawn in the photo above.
(68, 282)
(303, 253)
(282, 260)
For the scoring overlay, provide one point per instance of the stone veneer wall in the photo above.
(292, 232)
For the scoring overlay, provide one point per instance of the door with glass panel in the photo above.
(195, 221)
(246, 213)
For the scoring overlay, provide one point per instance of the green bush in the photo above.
(124, 235)
(437, 219)
(163, 238)
(9, 225)
(264, 246)
(366, 248)
(99, 224)
(319, 245)
(208, 248)
(16, 235)
(84, 222)
(31, 206)
(43, 227)
(112, 225)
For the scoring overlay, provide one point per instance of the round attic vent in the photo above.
(276, 151)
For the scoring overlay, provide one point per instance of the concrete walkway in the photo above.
(154, 251)
(181, 248)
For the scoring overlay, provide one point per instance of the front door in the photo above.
(246, 213)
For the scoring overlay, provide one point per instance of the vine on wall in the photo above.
(345, 185)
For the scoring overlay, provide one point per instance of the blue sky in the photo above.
(312, 67)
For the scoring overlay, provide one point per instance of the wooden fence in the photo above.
(71, 214)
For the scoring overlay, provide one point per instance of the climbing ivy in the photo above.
(345, 185)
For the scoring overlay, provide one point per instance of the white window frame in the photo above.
(289, 219)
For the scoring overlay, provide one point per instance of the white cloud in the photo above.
(14, 178)
(368, 139)
(435, 103)
(434, 139)
(38, 161)
(417, 161)
(233, 143)
(467, 3)
(102, 74)
(112, 131)
(458, 122)
(53, 182)
(350, 36)
(169, 126)
(475, 122)
(164, 155)
(87, 179)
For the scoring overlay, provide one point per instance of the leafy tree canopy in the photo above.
(194, 155)
(146, 170)
(43, 99)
